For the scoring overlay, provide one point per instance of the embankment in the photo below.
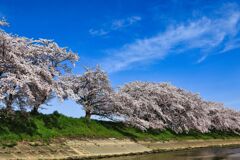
(89, 148)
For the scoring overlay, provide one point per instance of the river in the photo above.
(215, 153)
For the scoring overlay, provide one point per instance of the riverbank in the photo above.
(98, 148)
(56, 136)
(44, 127)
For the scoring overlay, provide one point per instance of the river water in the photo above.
(216, 153)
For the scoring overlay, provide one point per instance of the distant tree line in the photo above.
(34, 71)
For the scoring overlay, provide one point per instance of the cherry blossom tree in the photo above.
(91, 90)
(28, 69)
(56, 61)
(163, 106)
(224, 119)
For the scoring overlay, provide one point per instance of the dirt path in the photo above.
(75, 148)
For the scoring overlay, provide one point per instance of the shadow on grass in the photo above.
(119, 127)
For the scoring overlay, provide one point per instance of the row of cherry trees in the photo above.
(34, 71)
(163, 106)
(148, 105)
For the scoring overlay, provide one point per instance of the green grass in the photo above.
(46, 127)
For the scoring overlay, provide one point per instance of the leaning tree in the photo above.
(91, 90)
(29, 69)
(224, 119)
(163, 106)
(54, 61)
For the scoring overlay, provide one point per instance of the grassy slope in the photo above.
(45, 127)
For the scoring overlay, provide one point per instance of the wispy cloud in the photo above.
(233, 44)
(99, 32)
(115, 25)
(122, 23)
(209, 35)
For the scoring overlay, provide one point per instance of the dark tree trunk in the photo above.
(88, 115)
(37, 106)
(9, 102)
(35, 109)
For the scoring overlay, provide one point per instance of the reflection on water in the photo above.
(229, 153)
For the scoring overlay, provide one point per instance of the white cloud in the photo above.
(99, 32)
(233, 44)
(208, 35)
(122, 23)
(116, 24)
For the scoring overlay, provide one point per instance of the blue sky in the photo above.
(192, 44)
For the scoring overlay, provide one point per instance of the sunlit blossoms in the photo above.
(3, 23)
(163, 106)
(223, 119)
(28, 68)
(92, 90)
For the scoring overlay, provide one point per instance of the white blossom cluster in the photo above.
(28, 69)
(3, 23)
(163, 106)
(92, 90)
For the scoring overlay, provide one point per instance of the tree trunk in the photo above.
(9, 102)
(35, 109)
(37, 106)
(88, 115)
